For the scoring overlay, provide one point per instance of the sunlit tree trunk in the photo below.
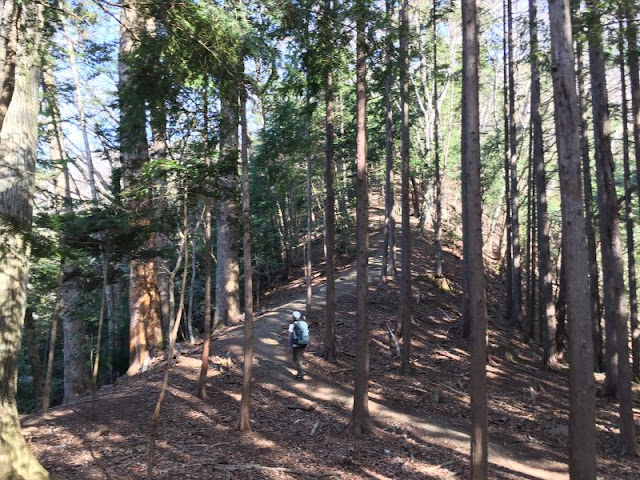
(18, 143)
(582, 434)
(145, 331)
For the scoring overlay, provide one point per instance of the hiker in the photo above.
(298, 341)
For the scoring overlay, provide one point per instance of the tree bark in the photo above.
(18, 143)
(244, 423)
(361, 422)
(329, 348)
(547, 307)
(633, 53)
(405, 279)
(228, 267)
(582, 434)
(145, 330)
(389, 232)
(472, 207)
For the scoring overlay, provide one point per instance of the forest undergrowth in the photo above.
(422, 418)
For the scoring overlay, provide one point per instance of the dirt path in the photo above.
(274, 367)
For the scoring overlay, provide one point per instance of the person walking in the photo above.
(298, 341)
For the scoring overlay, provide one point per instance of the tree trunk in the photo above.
(12, 12)
(228, 268)
(508, 259)
(329, 348)
(631, 260)
(405, 279)
(617, 369)
(472, 207)
(18, 143)
(204, 368)
(596, 306)
(633, 53)
(389, 250)
(361, 422)
(244, 423)
(547, 307)
(516, 277)
(582, 434)
(145, 330)
(437, 226)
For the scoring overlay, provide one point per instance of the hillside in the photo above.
(423, 418)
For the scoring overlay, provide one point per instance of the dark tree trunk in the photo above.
(405, 280)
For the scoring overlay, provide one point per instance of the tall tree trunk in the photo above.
(204, 368)
(437, 226)
(617, 368)
(227, 267)
(590, 220)
(633, 53)
(508, 261)
(361, 422)
(18, 143)
(244, 423)
(145, 332)
(329, 348)
(405, 280)
(547, 307)
(389, 249)
(308, 264)
(631, 259)
(472, 207)
(582, 433)
(516, 277)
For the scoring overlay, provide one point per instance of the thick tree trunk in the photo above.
(227, 267)
(18, 143)
(76, 370)
(145, 327)
(361, 422)
(437, 225)
(472, 207)
(582, 434)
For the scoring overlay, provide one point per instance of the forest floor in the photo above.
(298, 426)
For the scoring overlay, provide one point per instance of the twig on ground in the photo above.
(253, 466)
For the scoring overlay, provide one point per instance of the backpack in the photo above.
(300, 333)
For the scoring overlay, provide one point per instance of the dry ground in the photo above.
(423, 418)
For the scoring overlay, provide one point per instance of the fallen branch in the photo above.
(300, 407)
(393, 338)
(253, 466)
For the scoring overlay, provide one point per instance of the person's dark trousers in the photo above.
(297, 359)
